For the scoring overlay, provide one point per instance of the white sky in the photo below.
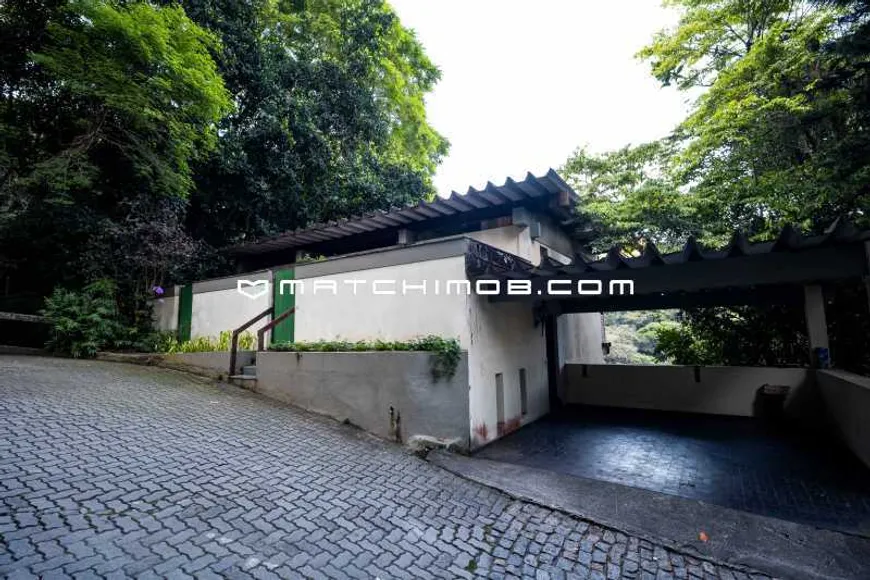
(525, 83)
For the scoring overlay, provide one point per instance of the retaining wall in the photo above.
(712, 390)
(847, 399)
(362, 387)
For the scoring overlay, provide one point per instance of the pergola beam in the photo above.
(678, 300)
(655, 285)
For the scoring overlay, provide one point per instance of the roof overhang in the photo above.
(548, 191)
(742, 273)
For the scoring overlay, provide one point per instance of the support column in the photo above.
(551, 339)
(405, 237)
(817, 326)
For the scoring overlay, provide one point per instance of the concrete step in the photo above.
(245, 381)
(250, 370)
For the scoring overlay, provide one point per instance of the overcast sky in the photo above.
(525, 83)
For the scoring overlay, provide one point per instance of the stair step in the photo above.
(244, 377)
(250, 370)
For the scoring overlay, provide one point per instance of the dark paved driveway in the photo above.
(732, 462)
(115, 471)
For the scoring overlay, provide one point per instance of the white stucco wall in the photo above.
(367, 316)
(166, 312)
(504, 339)
(720, 390)
(580, 337)
(499, 337)
(217, 311)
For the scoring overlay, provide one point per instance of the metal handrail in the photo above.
(234, 350)
(261, 334)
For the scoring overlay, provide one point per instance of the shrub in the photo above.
(445, 351)
(167, 342)
(87, 321)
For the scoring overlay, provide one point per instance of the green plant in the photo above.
(84, 322)
(167, 342)
(446, 352)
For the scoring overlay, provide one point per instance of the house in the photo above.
(403, 273)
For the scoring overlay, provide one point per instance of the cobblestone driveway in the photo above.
(115, 471)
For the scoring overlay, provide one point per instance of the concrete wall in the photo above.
(362, 386)
(366, 315)
(847, 399)
(166, 312)
(511, 239)
(721, 390)
(504, 339)
(215, 364)
(218, 306)
(554, 237)
(580, 337)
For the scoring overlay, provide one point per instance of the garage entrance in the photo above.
(736, 462)
(708, 433)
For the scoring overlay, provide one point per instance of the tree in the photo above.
(104, 107)
(627, 197)
(330, 119)
(762, 145)
(778, 135)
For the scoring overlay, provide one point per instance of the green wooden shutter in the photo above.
(284, 331)
(185, 312)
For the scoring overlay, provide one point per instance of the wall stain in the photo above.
(482, 432)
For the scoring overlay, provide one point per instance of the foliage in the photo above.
(167, 342)
(138, 138)
(330, 117)
(446, 351)
(770, 337)
(85, 322)
(104, 106)
(779, 134)
(632, 335)
(627, 197)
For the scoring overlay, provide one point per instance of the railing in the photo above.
(261, 334)
(234, 350)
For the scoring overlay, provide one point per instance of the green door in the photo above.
(283, 301)
(185, 312)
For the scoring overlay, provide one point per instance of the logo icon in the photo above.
(252, 290)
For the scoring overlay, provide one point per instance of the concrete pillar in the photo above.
(817, 326)
(405, 237)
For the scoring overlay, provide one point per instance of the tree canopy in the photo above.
(137, 137)
(777, 135)
(330, 117)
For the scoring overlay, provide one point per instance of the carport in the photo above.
(697, 432)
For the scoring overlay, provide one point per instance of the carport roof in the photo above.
(512, 194)
(740, 273)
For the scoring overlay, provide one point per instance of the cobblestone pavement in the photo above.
(114, 471)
